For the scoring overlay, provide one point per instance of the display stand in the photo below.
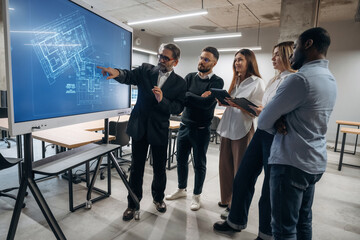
(27, 180)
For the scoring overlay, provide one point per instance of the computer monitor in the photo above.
(52, 49)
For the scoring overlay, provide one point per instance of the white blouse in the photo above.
(234, 123)
(272, 87)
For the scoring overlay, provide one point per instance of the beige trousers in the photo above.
(231, 154)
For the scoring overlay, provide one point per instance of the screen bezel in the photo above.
(42, 124)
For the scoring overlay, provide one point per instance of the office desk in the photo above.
(98, 125)
(219, 111)
(69, 136)
(173, 128)
(4, 125)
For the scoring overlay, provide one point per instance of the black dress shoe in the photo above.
(160, 206)
(128, 214)
(223, 227)
(222, 205)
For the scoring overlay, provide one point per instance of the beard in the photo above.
(163, 67)
(202, 69)
(298, 60)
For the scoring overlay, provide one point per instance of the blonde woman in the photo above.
(256, 157)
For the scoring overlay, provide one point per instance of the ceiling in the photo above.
(223, 16)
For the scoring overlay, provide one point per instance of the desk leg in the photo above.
(169, 151)
(92, 183)
(70, 185)
(43, 149)
(109, 174)
(19, 155)
(342, 151)
(356, 141)
(337, 137)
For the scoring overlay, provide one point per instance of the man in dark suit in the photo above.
(161, 92)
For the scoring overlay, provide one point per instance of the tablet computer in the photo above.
(244, 103)
(220, 94)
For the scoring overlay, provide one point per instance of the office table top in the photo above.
(174, 125)
(98, 125)
(4, 125)
(69, 136)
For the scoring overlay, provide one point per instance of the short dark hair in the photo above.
(173, 48)
(212, 50)
(320, 37)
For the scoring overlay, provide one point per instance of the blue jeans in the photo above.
(198, 139)
(255, 158)
(292, 195)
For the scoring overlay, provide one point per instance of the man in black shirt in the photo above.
(196, 119)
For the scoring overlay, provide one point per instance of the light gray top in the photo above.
(306, 99)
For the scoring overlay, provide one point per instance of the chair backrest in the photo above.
(8, 162)
(214, 123)
(175, 117)
(3, 112)
(118, 129)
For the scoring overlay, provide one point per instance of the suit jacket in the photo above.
(148, 115)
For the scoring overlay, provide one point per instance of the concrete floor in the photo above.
(336, 210)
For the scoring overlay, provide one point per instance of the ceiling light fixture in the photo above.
(256, 48)
(202, 12)
(144, 51)
(207, 37)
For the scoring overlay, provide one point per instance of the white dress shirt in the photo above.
(273, 86)
(162, 78)
(234, 123)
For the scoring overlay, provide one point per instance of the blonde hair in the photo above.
(285, 51)
(252, 67)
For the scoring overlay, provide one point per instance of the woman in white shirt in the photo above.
(256, 157)
(236, 127)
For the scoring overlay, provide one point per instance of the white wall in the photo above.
(190, 52)
(344, 57)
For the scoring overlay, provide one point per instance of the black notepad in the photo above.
(220, 94)
(244, 103)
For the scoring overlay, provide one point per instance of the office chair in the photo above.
(4, 164)
(118, 129)
(5, 134)
(213, 134)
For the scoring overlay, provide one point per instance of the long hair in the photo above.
(252, 67)
(285, 51)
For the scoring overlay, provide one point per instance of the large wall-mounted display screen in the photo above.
(53, 48)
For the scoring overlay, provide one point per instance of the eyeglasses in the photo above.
(205, 59)
(165, 58)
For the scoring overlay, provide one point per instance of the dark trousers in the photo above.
(198, 139)
(255, 158)
(292, 195)
(139, 154)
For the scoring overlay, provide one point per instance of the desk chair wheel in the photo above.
(102, 176)
(137, 215)
(88, 204)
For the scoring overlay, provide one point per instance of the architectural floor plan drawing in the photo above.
(65, 52)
